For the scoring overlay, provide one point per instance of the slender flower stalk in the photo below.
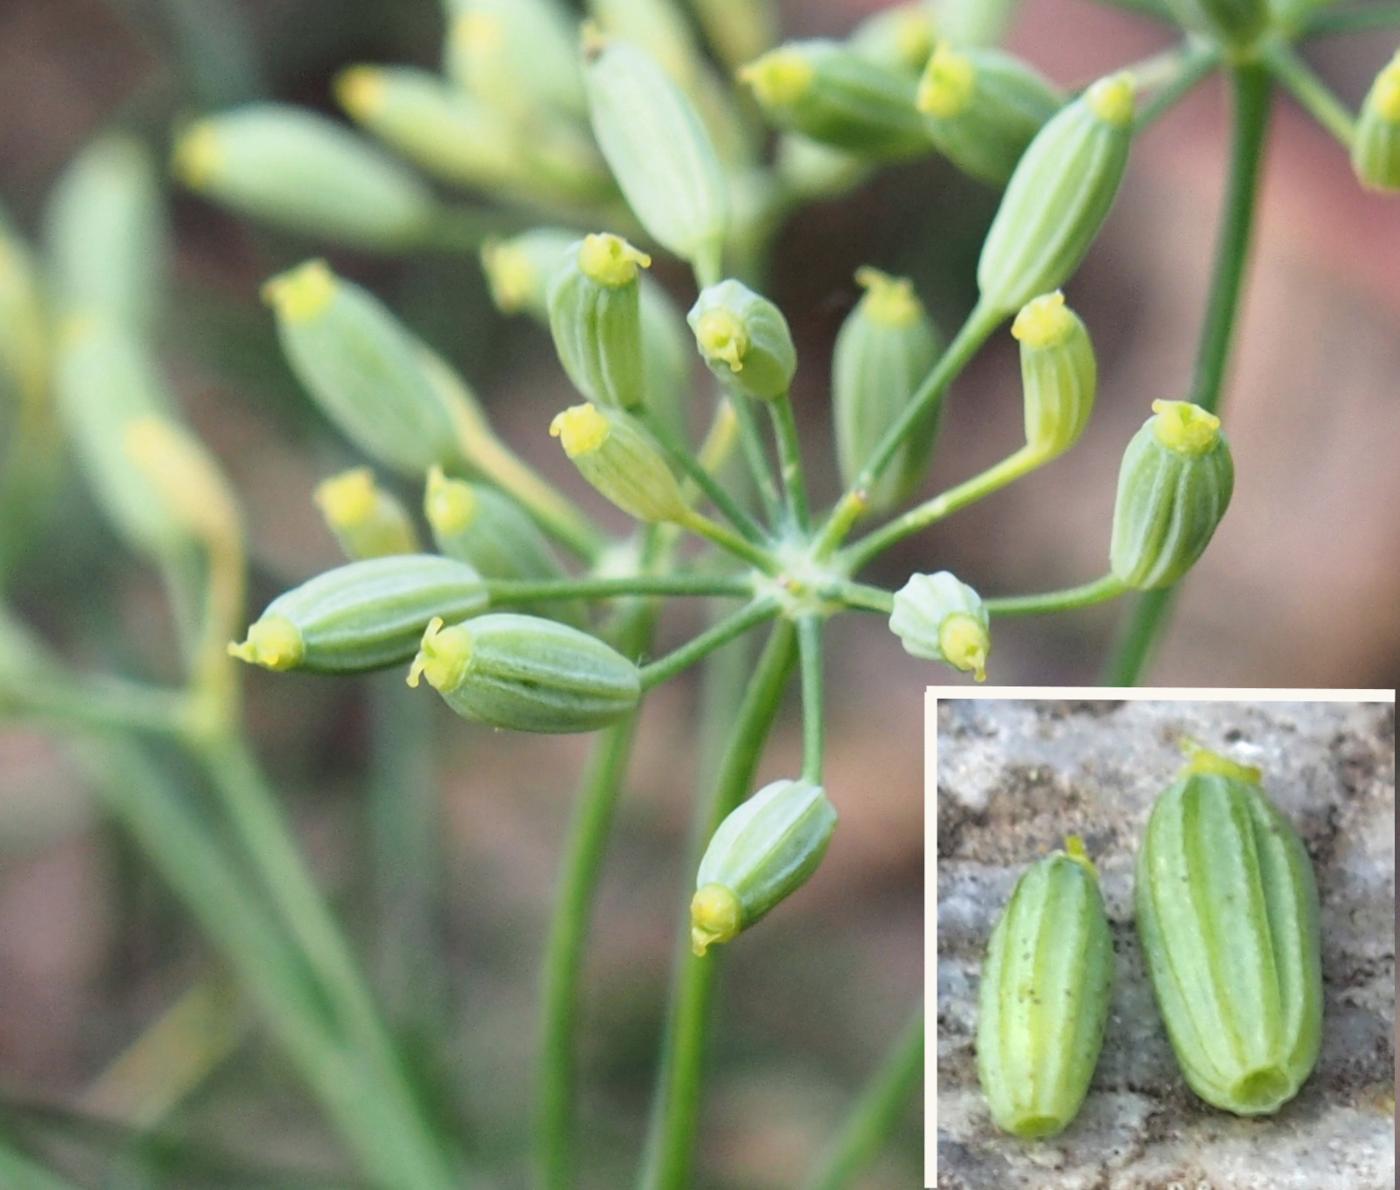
(669, 1159)
(1250, 86)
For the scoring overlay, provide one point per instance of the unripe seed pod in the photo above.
(1228, 917)
(1059, 374)
(744, 340)
(367, 521)
(107, 236)
(1173, 489)
(1375, 153)
(762, 853)
(983, 108)
(883, 351)
(659, 151)
(1043, 1002)
(516, 55)
(104, 380)
(1231, 22)
(519, 269)
(361, 367)
(479, 525)
(898, 38)
(1058, 197)
(595, 319)
(831, 93)
(306, 173)
(621, 460)
(527, 674)
(360, 616)
(975, 22)
(939, 618)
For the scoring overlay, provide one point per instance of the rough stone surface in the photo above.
(1014, 777)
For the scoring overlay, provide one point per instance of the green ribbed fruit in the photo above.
(527, 674)
(1173, 489)
(1044, 996)
(361, 616)
(1227, 913)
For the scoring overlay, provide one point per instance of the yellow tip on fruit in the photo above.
(1203, 760)
(303, 293)
(360, 90)
(913, 36)
(510, 274)
(946, 88)
(1184, 427)
(720, 335)
(478, 33)
(197, 155)
(715, 916)
(779, 78)
(1385, 94)
(449, 504)
(581, 429)
(1112, 99)
(965, 643)
(347, 499)
(610, 260)
(273, 642)
(443, 656)
(1044, 321)
(1074, 848)
(889, 301)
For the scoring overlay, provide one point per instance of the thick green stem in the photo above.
(790, 455)
(970, 337)
(809, 643)
(1251, 94)
(267, 837)
(1099, 591)
(877, 1111)
(714, 637)
(558, 1059)
(670, 1153)
(930, 512)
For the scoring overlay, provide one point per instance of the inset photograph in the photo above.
(1165, 943)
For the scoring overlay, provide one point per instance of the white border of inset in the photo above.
(932, 696)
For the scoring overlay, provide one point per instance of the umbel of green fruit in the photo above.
(1044, 995)
(1227, 913)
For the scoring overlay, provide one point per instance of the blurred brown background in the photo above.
(1299, 588)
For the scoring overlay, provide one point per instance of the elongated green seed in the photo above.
(1043, 1001)
(761, 854)
(659, 152)
(361, 616)
(526, 674)
(1173, 489)
(1375, 153)
(1227, 914)
(1058, 197)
